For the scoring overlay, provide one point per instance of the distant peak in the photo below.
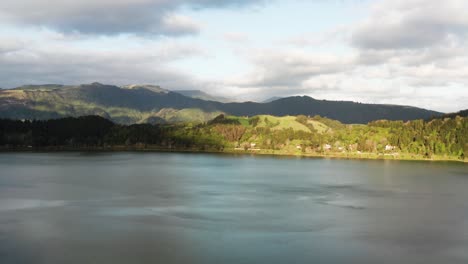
(133, 86)
(296, 97)
(199, 94)
(154, 88)
(39, 87)
(271, 99)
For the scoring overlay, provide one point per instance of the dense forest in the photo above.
(95, 131)
(442, 138)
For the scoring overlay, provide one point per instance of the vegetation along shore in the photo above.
(443, 138)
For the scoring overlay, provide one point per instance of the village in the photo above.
(388, 150)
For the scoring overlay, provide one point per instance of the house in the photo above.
(327, 147)
(389, 147)
(253, 145)
(298, 147)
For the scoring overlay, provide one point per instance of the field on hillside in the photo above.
(278, 123)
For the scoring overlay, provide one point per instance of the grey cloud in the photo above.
(401, 36)
(440, 54)
(412, 24)
(11, 45)
(277, 69)
(66, 65)
(154, 17)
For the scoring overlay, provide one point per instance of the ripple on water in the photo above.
(182, 212)
(24, 204)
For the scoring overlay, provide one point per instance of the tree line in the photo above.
(446, 136)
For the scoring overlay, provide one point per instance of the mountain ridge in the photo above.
(198, 94)
(271, 99)
(137, 103)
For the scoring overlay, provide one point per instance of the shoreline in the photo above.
(273, 153)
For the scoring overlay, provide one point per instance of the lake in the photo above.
(201, 208)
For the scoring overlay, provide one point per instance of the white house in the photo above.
(389, 147)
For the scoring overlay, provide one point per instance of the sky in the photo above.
(410, 52)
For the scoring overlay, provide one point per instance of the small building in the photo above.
(327, 147)
(389, 148)
(298, 147)
(253, 145)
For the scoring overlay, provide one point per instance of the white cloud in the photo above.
(412, 24)
(179, 25)
(8, 45)
(335, 35)
(275, 68)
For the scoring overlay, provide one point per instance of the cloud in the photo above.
(179, 25)
(11, 45)
(59, 62)
(429, 78)
(421, 41)
(338, 34)
(109, 17)
(275, 68)
(412, 24)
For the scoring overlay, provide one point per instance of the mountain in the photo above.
(344, 111)
(462, 113)
(147, 103)
(197, 94)
(43, 87)
(271, 99)
(153, 88)
(126, 105)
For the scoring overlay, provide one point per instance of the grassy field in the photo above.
(278, 123)
(320, 127)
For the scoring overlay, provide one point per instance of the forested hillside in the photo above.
(292, 135)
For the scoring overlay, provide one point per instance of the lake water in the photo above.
(196, 208)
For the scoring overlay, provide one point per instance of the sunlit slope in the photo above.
(278, 123)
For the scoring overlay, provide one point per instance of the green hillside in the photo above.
(279, 123)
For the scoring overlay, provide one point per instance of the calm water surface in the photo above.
(195, 208)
